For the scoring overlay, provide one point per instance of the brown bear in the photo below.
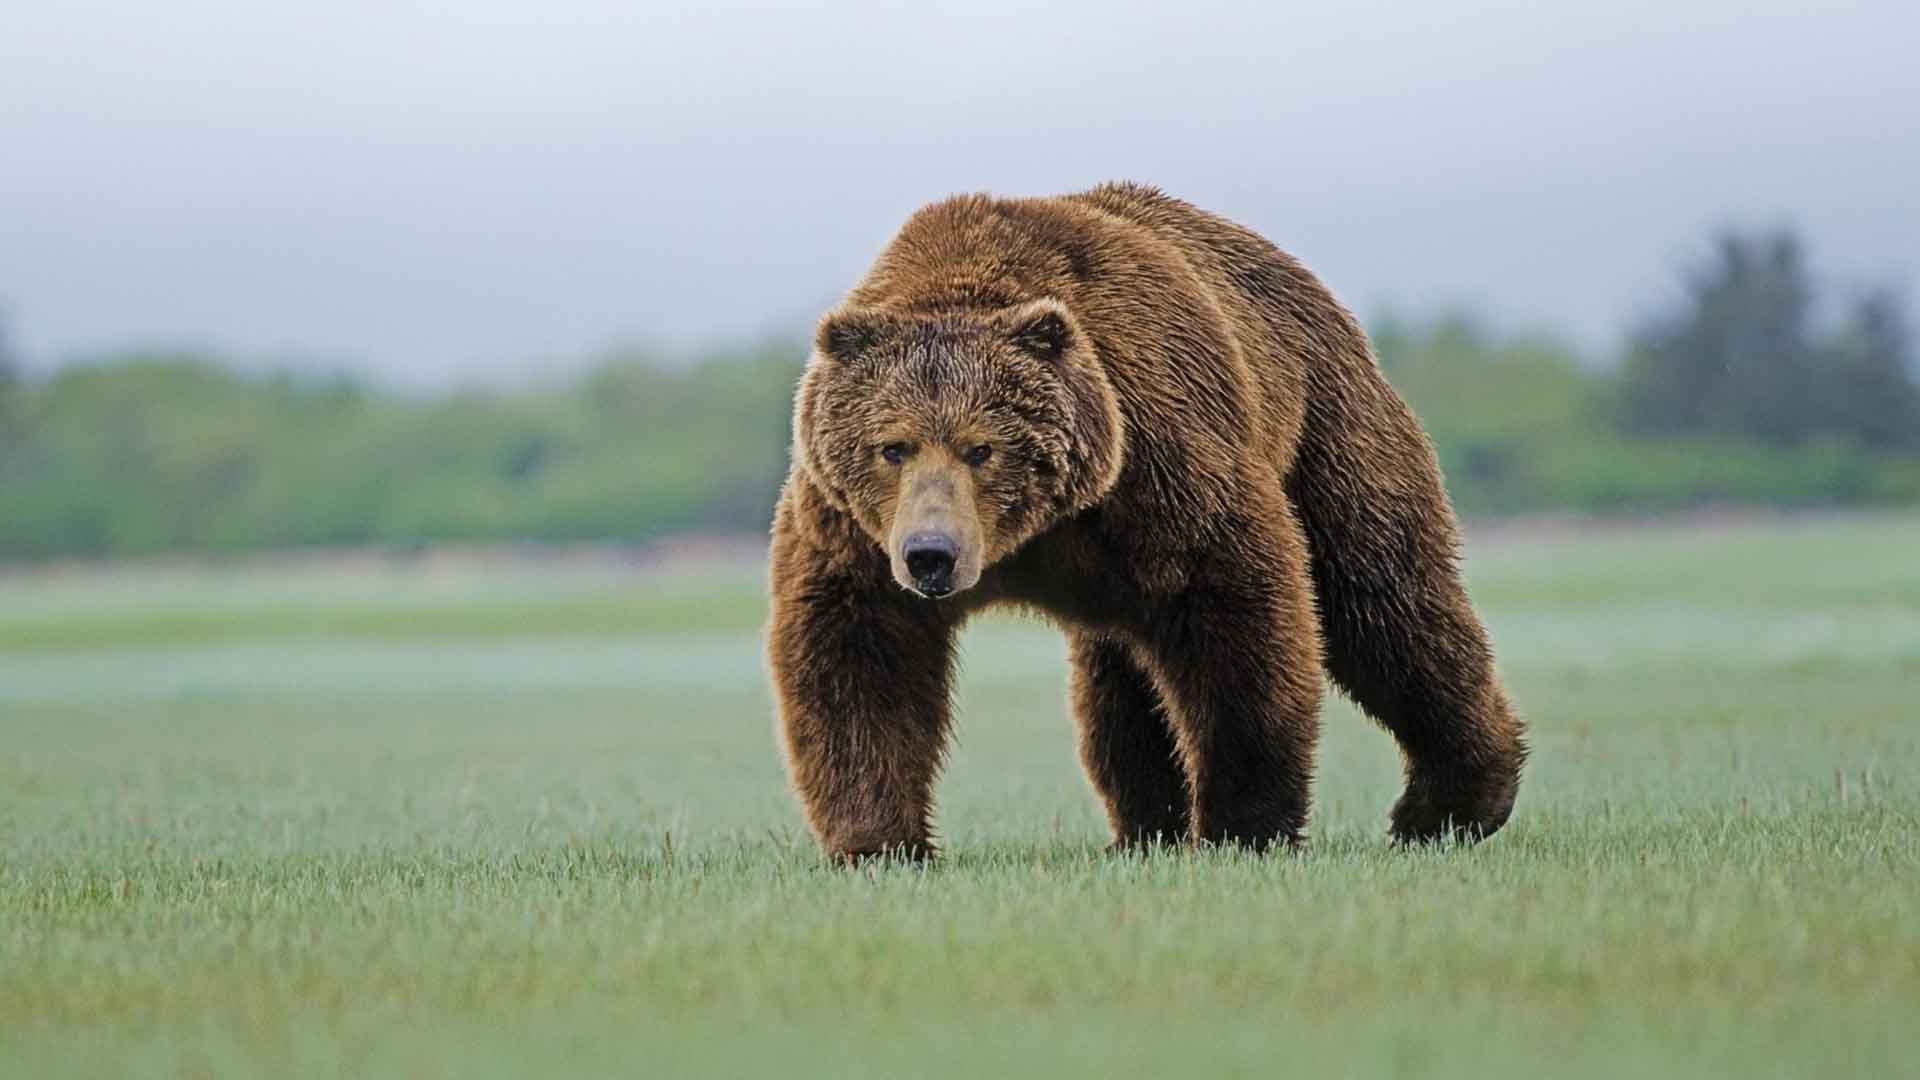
(1154, 427)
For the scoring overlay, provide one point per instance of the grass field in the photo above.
(513, 819)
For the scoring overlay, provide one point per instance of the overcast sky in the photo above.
(486, 190)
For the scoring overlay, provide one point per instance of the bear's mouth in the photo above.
(933, 589)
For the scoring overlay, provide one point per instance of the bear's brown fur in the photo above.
(1154, 427)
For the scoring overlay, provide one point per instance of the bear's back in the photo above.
(1295, 339)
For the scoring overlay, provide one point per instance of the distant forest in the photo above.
(1761, 387)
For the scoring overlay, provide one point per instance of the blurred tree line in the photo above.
(1743, 358)
(1739, 395)
(150, 454)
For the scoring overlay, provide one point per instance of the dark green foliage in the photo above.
(1521, 427)
(1743, 358)
(1872, 394)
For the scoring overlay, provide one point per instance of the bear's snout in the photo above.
(935, 542)
(930, 557)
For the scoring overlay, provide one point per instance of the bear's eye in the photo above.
(895, 452)
(978, 456)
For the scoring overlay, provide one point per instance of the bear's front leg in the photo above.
(1236, 655)
(861, 670)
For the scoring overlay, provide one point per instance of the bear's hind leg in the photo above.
(1125, 744)
(1401, 638)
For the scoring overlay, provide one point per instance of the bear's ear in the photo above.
(1043, 329)
(846, 333)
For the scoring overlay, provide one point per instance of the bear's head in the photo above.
(955, 437)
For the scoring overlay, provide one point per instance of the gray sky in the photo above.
(491, 190)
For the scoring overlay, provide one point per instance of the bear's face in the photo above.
(954, 438)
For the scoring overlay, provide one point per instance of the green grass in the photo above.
(386, 823)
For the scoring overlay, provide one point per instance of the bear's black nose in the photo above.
(930, 558)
